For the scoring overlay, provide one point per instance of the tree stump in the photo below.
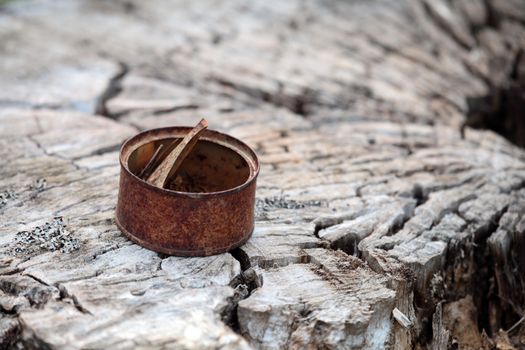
(383, 218)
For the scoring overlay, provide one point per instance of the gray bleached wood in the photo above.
(355, 110)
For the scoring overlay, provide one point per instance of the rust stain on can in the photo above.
(207, 209)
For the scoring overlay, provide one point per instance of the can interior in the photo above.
(209, 167)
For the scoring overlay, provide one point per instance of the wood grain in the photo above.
(374, 194)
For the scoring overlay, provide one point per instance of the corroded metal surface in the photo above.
(218, 215)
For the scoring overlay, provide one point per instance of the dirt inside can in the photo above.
(210, 167)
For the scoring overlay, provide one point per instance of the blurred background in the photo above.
(451, 62)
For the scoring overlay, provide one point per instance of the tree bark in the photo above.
(383, 218)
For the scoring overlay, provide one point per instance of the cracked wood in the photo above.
(400, 206)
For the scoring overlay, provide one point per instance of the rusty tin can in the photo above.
(211, 214)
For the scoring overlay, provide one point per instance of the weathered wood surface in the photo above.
(372, 197)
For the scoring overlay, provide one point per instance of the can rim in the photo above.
(222, 139)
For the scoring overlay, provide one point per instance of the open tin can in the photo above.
(210, 207)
